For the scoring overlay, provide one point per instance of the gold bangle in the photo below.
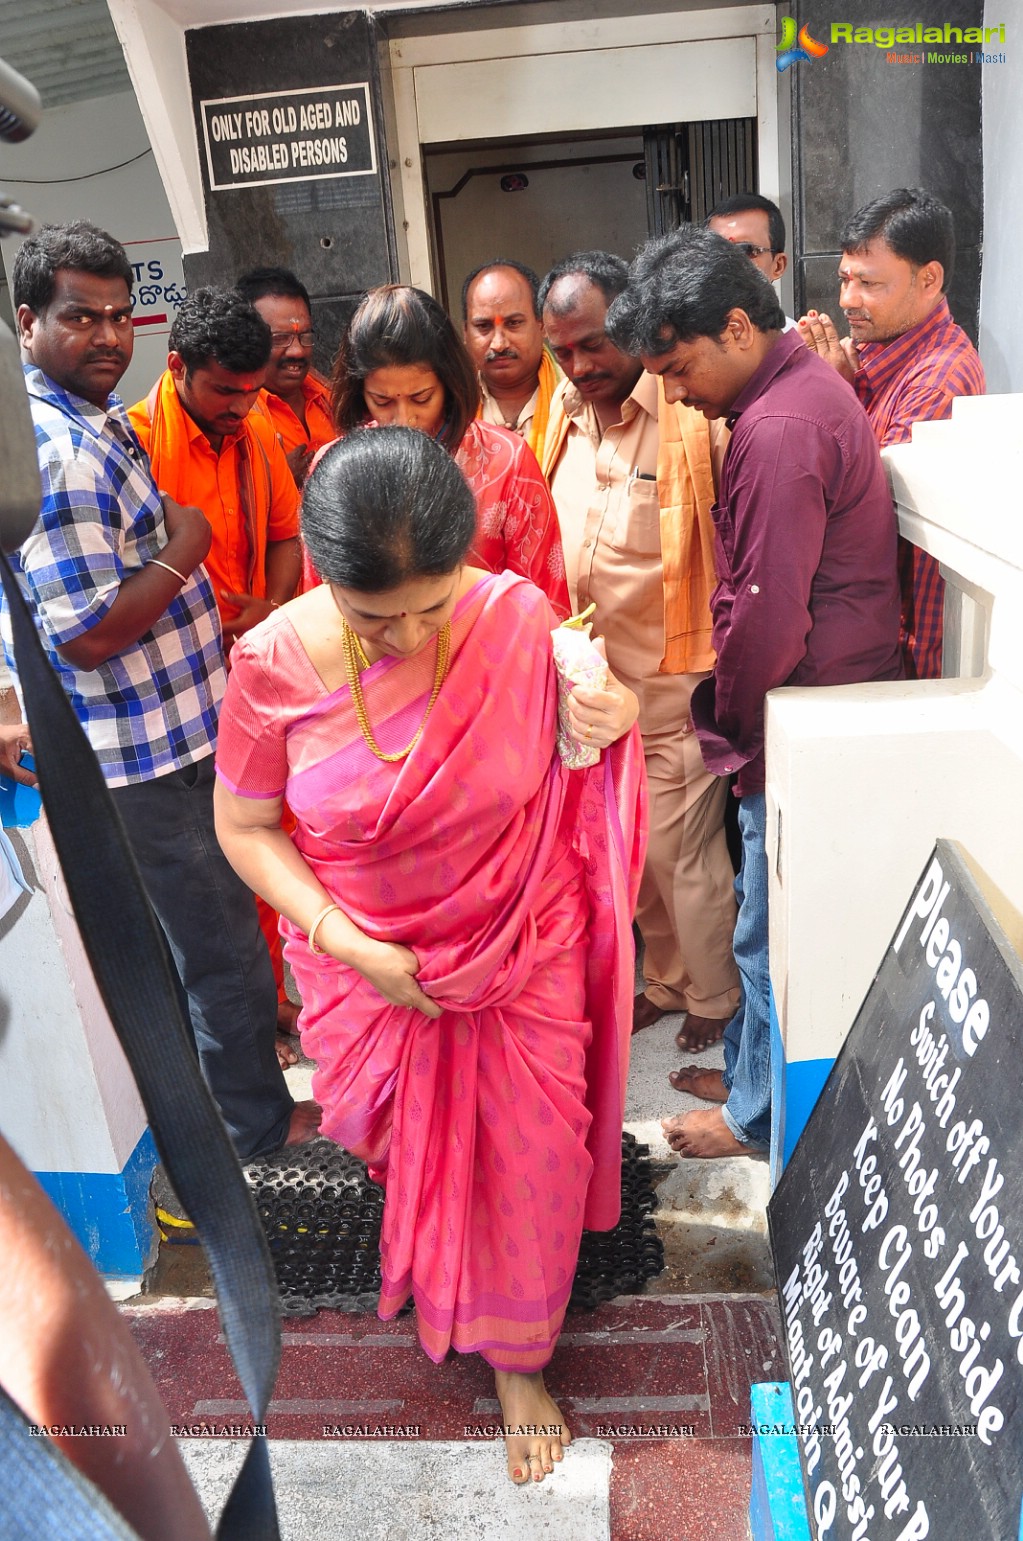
(311, 933)
(154, 561)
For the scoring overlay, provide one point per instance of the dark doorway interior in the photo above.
(536, 201)
(690, 167)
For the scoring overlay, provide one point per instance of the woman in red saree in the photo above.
(456, 904)
(402, 363)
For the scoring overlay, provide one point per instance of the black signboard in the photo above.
(897, 1231)
(288, 136)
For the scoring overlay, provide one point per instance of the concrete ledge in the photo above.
(414, 1490)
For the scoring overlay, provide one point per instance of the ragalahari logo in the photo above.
(808, 47)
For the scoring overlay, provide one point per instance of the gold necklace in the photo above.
(354, 653)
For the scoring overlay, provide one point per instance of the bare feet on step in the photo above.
(699, 1033)
(287, 1017)
(703, 1134)
(535, 1432)
(305, 1123)
(708, 1085)
(286, 1056)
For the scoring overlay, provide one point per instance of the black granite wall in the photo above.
(861, 126)
(335, 231)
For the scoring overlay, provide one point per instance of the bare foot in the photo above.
(703, 1134)
(645, 1013)
(698, 1033)
(535, 1434)
(706, 1084)
(305, 1122)
(287, 1017)
(286, 1056)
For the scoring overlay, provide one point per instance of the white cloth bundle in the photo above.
(578, 663)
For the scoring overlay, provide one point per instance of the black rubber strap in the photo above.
(125, 948)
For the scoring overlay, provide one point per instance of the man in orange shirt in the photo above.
(297, 398)
(212, 444)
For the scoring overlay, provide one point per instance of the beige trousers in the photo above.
(686, 910)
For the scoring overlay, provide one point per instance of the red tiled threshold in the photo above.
(666, 1381)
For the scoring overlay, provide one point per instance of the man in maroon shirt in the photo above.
(907, 361)
(807, 591)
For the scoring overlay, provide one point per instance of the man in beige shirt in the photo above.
(501, 321)
(614, 460)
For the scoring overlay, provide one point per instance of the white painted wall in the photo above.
(1001, 320)
(862, 780)
(54, 176)
(68, 1101)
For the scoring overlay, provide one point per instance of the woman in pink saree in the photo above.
(456, 904)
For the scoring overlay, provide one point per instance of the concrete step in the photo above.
(711, 1215)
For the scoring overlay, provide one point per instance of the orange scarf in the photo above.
(548, 379)
(685, 492)
(167, 438)
(550, 374)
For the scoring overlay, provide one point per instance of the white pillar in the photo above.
(68, 1101)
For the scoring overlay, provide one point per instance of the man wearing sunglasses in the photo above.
(297, 398)
(755, 225)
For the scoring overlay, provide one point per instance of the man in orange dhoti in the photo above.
(212, 445)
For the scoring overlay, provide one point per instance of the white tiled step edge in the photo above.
(414, 1490)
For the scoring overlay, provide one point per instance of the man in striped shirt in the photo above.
(907, 361)
(113, 575)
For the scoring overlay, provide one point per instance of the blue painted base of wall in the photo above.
(777, 1508)
(109, 1212)
(20, 806)
(795, 1088)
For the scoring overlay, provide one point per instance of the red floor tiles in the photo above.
(684, 1490)
(625, 1372)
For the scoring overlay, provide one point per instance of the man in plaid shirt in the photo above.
(907, 361)
(113, 575)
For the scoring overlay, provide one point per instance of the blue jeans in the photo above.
(748, 1036)
(209, 919)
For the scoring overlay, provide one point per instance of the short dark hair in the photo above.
(682, 286)
(502, 262)
(259, 282)
(398, 325)
(609, 273)
(384, 505)
(745, 203)
(79, 246)
(917, 226)
(220, 325)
